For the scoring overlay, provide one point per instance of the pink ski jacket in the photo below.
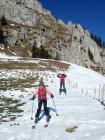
(42, 92)
(62, 77)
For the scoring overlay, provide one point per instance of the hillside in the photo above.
(81, 116)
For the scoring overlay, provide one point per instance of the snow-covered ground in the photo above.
(3, 56)
(75, 109)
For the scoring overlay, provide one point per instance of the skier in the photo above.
(62, 83)
(42, 92)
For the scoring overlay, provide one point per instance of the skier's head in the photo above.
(41, 82)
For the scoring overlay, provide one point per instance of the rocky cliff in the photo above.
(31, 31)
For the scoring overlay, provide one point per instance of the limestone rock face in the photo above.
(33, 31)
(20, 11)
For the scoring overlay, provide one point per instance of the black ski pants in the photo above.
(40, 102)
(62, 87)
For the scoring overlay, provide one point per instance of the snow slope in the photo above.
(74, 109)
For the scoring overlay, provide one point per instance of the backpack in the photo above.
(42, 92)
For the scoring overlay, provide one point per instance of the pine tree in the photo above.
(1, 36)
(34, 50)
(97, 40)
(42, 52)
(3, 21)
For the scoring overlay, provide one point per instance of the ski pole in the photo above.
(32, 110)
(55, 107)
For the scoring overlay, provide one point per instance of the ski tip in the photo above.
(33, 127)
(46, 125)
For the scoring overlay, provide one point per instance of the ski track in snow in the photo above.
(74, 109)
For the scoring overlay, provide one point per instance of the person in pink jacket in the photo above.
(62, 83)
(41, 92)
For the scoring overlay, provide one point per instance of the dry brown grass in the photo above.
(9, 109)
(26, 80)
(58, 65)
(47, 64)
(17, 65)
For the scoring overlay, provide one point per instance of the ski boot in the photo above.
(36, 119)
(48, 118)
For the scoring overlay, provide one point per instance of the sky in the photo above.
(89, 13)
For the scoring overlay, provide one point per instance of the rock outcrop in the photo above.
(32, 31)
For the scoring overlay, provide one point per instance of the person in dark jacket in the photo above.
(62, 83)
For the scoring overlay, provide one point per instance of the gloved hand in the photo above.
(52, 96)
(58, 75)
(33, 97)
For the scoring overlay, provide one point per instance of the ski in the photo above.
(34, 126)
(35, 123)
(46, 125)
(47, 121)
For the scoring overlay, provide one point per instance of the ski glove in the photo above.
(33, 97)
(52, 96)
